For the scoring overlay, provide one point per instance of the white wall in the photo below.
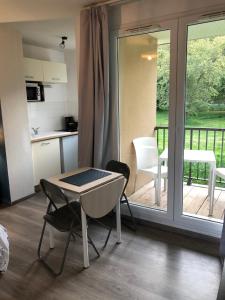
(27, 10)
(60, 99)
(14, 113)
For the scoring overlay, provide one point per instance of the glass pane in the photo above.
(144, 70)
(205, 122)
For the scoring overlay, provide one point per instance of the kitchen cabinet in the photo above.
(46, 159)
(33, 69)
(44, 71)
(54, 72)
(69, 153)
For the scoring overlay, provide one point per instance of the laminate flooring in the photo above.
(150, 264)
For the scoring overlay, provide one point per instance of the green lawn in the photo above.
(213, 119)
(202, 140)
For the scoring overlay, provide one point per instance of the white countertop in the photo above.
(42, 136)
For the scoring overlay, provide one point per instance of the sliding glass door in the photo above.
(146, 65)
(171, 88)
(201, 111)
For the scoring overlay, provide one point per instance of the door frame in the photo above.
(204, 226)
(173, 217)
(156, 215)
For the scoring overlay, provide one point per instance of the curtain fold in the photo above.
(95, 109)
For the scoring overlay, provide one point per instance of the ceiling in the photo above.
(47, 33)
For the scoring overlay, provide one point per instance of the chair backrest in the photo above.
(146, 152)
(119, 167)
(101, 200)
(53, 193)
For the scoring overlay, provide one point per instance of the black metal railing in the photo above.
(198, 138)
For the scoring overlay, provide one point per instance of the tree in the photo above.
(205, 74)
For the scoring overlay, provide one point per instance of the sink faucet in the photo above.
(35, 130)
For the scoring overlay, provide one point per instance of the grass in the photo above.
(213, 119)
(200, 140)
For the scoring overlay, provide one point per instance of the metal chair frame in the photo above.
(74, 227)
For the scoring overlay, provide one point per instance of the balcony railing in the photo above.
(198, 139)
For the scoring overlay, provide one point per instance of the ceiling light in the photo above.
(62, 44)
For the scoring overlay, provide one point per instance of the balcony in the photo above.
(195, 188)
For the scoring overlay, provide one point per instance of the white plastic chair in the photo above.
(147, 159)
(220, 172)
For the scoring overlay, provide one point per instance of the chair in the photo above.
(119, 167)
(64, 218)
(147, 159)
(220, 172)
(99, 202)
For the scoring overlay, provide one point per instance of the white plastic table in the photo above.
(77, 191)
(193, 156)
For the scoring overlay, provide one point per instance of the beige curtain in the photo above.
(95, 109)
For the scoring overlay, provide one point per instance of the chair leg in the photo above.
(41, 239)
(131, 214)
(93, 245)
(108, 235)
(107, 227)
(165, 184)
(156, 191)
(64, 254)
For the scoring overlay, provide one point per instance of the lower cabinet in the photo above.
(46, 159)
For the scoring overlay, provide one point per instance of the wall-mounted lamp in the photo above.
(63, 44)
(148, 56)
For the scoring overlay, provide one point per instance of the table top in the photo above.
(204, 156)
(86, 187)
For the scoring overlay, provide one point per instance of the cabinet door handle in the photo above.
(45, 144)
(55, 78)
(27, 76)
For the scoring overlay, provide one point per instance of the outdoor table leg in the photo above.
(118, 223)
(85, 239)
(158, 184)
(212, 179)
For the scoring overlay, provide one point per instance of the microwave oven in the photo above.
(35, 91)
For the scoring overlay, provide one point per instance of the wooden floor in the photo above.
(195, 200)
(149, 264)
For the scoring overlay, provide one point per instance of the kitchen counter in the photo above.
(42, 136)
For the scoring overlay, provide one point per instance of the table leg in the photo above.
(118, 223)
(212, 180)
(50, 232)
(85, 239)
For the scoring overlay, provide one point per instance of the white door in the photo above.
(201, 129)
(147, 109)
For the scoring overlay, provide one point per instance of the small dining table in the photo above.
(193, 156)
(75, 192)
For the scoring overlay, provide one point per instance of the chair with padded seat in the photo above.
(64, 216)
(122, 168)
(146, 151)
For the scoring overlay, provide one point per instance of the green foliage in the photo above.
(205, 78)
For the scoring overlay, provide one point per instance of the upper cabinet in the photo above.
(45, 71)
(33, 69)
(54, 72)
